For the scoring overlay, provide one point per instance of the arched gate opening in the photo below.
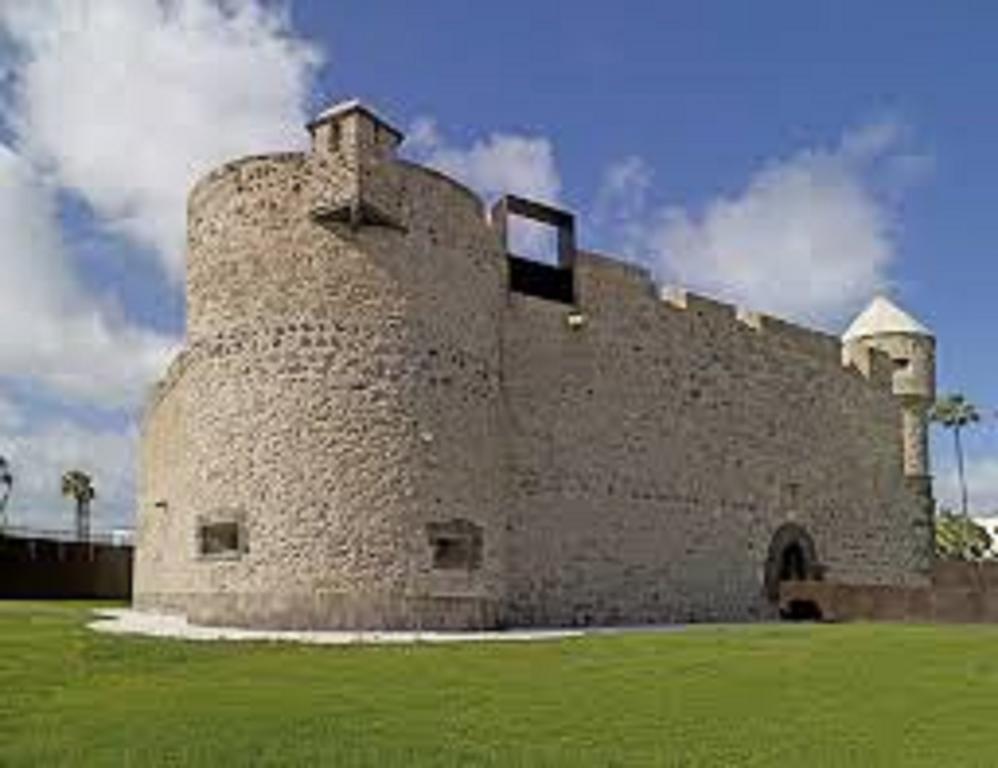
(792, 556)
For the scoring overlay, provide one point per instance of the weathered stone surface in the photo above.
(357, 372)
(962, 592)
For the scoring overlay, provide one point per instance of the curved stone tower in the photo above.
(323, 454)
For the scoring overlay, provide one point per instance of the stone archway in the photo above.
(792, 557)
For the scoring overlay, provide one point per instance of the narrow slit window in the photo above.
(335, 137)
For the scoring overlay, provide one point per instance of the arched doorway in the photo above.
(793, 563)
(792, 557)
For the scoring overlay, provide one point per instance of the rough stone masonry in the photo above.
(383, 419)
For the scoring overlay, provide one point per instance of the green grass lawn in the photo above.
(791, 696)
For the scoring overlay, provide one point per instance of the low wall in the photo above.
(33, 568)
(959, 592)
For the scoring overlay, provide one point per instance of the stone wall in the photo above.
(47, 569)
(367, 428)
(338, 398)
(655, 450)
(958, 592)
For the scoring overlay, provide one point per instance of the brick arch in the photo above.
(790, 548)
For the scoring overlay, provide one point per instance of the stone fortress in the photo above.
(384, 419)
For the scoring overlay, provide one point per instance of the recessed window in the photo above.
(545, 237)
(221, 539)
(455, 545)
(900, 363)
(335, 137)
(543, 281)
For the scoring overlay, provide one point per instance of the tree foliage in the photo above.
(77, 485)
(6, 486)
(961, 538)
(955, 412)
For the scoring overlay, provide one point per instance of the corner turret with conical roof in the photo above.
(884, 316)
(912, 348)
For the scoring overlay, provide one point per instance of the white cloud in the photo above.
(503, 163)
(810, 237)
(122, 104)
(39, 457)
(11, 418)
(54, 332)
(126, 102)
(622, 210)
(499, 165)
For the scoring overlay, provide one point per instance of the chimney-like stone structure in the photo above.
(358, 142)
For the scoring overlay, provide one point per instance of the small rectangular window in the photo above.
(451, 552)
(455, 545)
(221, 539)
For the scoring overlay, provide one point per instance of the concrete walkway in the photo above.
(125, 621)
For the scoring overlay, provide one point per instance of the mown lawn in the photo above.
(863, 695)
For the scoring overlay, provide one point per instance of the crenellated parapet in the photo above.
(699, 306)
(604, 281)
(607, 285)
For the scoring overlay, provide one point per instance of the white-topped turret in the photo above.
(911, 346)
(883, 316)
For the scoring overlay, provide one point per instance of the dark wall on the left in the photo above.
(47, 569)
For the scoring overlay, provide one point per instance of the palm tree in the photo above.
(956, 412)
(960, 538)
(78, 485)
(7, 484)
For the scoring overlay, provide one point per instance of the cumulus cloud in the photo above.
(622, 210)
(54, 332)
(501, 164)
(810, 237)
(126, 102)
(118, 105)
(11, 418)
(39, 456)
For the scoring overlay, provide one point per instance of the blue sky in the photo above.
(709, 92)
(707, 141)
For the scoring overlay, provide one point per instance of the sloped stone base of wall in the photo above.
(325, 610)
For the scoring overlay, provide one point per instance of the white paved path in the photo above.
(125, 621)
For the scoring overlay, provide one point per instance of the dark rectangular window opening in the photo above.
(543, 281)
(335, 136)
(455, 545)
(554, 282)
(221, 539)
